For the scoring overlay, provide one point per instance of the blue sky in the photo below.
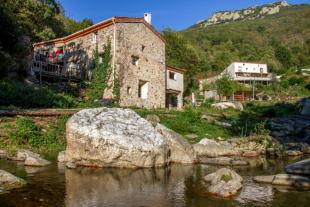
(174, 14)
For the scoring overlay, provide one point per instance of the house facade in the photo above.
(174, 87)
(249, 72)
(137, 59)
(242, 72)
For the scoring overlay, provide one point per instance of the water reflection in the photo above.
(110, 187)
(176, 186)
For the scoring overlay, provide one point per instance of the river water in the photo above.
(175, 186)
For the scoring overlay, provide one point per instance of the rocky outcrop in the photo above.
(180, 150)
(224, 182)
(212, 148)
(227, 105)
(246, 147)
(245, 14)
(3, 153)
(301, 167)
(291, 129)
(30, 158)
(286, 180)
(114, 137)
(9, 181)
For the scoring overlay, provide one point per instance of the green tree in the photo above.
(225, 86)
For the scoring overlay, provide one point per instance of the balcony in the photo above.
(253, 76)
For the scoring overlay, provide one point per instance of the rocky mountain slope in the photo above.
(244, 14)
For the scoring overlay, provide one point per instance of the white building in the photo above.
(248, 72)
(174, 87)
(243, 72)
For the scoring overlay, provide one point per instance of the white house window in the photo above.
(135, 60)
(143, 89)
(172, 75)
(94, 38)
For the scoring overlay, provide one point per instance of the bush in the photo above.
(20, 95)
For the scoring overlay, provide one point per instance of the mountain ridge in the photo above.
(250, 13)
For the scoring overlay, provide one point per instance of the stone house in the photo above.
(138, 59)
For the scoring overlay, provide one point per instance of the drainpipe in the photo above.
(114, 50)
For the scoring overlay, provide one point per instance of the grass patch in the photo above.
(37, 134)
(187, 122)
(226, 177)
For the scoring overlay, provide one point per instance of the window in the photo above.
(135, 60)
(143, 89)
(94, 38)
(128, 90)
(172, 75)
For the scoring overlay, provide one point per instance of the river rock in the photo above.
(304, 107)
(226, 105)
(301, 167)
(36, 162)
(9, 181)
(293, 153)
(223, 161)
(249, 153)
(153, 119)
(114, 137)
(181, 151)
(212, 148)
(62, 157)
(224, 182)
(285, 179)
(23, 154)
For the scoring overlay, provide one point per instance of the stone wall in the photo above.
(136, 41)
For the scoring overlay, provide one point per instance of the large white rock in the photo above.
(181, 151)
(114, 137)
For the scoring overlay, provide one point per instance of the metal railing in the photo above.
(48, 69)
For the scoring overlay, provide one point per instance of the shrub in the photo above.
(20, 95)
(26, 131)
(226, 177)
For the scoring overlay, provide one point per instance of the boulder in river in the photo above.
(301, 167)
(114, 137)
(212, 148)
(9, 181)
(285, 180)
(36, 162)
(224, 182)
(181, 151)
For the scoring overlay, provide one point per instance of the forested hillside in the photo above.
(23, 22)
(281, 40)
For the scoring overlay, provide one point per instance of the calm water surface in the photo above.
(176, 186)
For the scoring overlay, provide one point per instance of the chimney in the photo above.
(148, 18)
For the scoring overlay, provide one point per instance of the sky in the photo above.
(174, 14)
